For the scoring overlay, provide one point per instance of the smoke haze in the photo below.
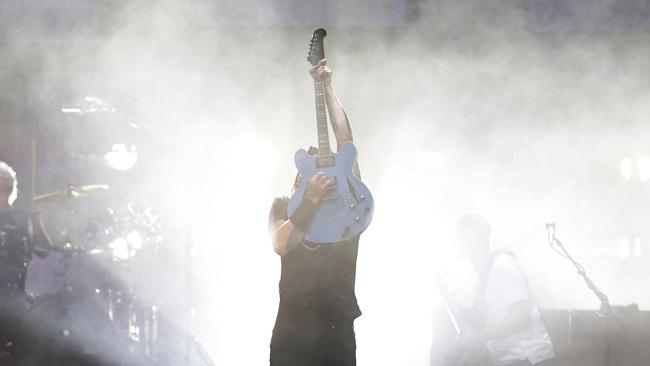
(456, 107)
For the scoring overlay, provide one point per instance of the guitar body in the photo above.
(346, 210)
(344, 213)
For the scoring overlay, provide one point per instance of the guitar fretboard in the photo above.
(325, 157)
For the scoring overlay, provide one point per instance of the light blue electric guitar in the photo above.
(346, 211)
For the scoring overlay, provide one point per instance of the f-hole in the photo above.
(353, 191)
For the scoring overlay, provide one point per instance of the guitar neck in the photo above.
(324, 151)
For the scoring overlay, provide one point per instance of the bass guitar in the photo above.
(347, 210)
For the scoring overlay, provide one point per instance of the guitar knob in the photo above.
(351, 206)
(357, 218)
(362, 197)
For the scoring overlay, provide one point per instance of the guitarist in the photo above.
(505, 318)
(314, 324)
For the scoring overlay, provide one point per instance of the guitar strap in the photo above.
(480, 305)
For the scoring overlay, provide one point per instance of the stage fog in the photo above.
(456, 107)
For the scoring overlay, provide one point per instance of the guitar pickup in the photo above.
(325, 162)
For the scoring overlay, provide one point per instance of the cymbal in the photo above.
(70, 192)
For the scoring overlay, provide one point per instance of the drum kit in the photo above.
(90, 277)
(80, 287)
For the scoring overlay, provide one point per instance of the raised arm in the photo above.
(286, 233)
(338, 117)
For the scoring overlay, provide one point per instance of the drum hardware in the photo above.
(112, 307)
(84, 298)
(100, 269)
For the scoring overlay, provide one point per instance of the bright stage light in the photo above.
(626, 168)
(121, 158)
(134, 239)
(120, 248)
(126, 247)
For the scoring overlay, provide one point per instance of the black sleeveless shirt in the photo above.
(317, 280)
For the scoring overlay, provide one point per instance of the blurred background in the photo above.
(526, 111)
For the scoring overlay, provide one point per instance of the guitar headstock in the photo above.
(316, 48)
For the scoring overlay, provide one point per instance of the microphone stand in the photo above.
(605, 307)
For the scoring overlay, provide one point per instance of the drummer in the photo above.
(16, 248)
(15, 234)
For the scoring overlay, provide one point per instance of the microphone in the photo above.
(550, 232)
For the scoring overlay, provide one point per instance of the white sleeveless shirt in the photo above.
(506, 285)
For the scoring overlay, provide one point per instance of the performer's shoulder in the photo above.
(280, 201)
(278, 209)
(506, 265)
(504, 259)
